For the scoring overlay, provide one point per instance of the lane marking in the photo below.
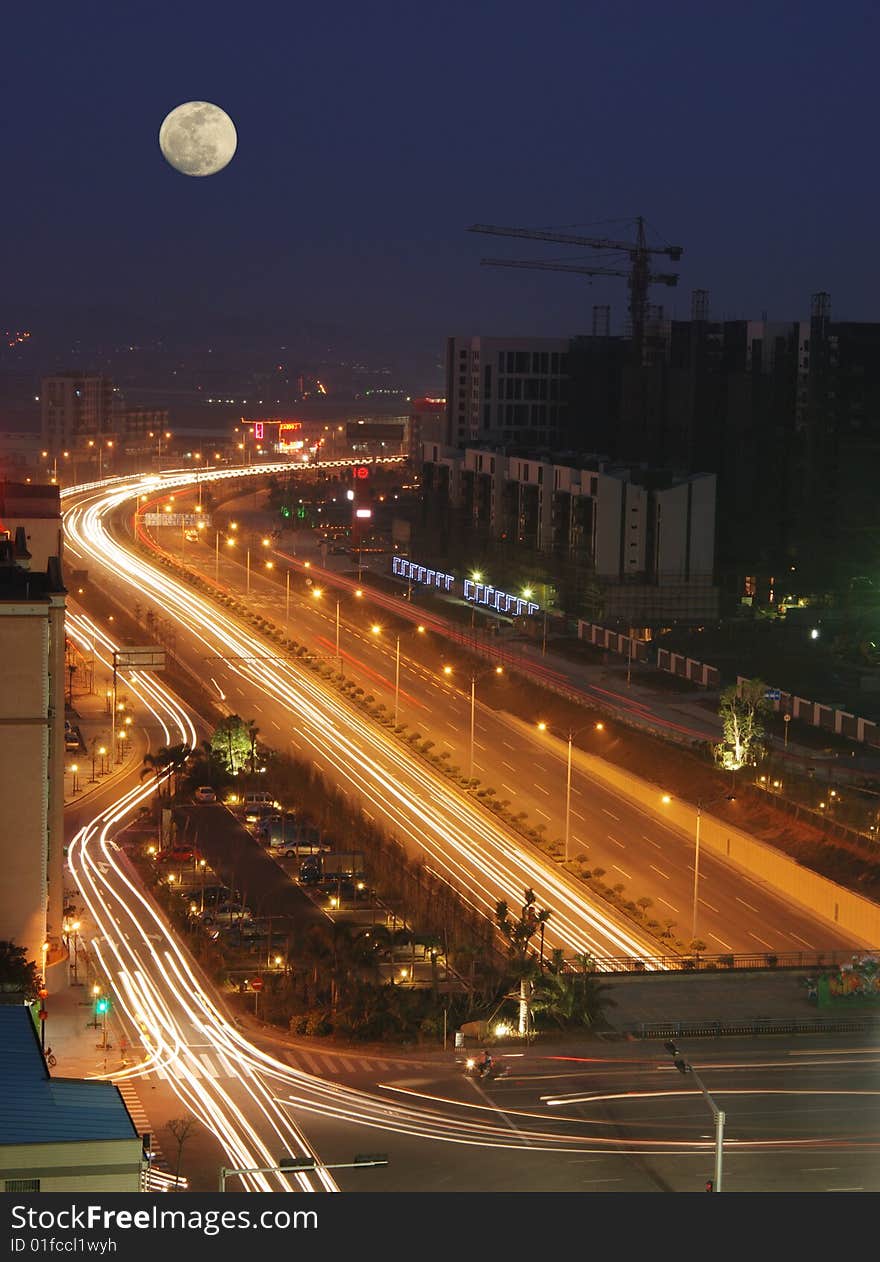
(508, 766)
(543, 790)
(645, 837)
(745, 904)
(668, 904)
(726, 945)
(657, 870)
(540, 812)
(621, 871)
(507, 745)
(763, 941)
(508, 788)
(611, 813)
(277, 726)
(616, 842)
(709, 905)
(797, 938)
(579, 816)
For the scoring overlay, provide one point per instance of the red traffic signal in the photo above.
(710, 1186)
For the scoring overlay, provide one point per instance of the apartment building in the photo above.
(647, 536)
(31, 745)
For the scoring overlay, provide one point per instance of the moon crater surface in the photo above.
(198, 138)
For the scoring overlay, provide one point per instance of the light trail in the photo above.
(461, 842)
(158, 987)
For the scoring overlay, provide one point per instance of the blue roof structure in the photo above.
(38, 1109)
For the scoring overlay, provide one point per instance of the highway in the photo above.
(526, 768)
(460, 840)
(255, 1107)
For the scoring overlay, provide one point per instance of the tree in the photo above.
(232, 740)
(17, 973)
(519, 934)
(206, 766)
(742, 708)
(181, 1128)
(157, 763)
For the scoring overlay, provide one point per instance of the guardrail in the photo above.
(658, 965)
(854, 1024)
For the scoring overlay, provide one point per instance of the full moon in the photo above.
(198, 138)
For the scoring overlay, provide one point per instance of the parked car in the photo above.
(227, 914)
(179, 854)
(204, 793)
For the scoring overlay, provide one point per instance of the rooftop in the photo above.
(37, 1109)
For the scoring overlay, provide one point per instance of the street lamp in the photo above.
(542, 727)
(724, 797)
(75, 927)
(317, 593)
(75, 770)
(377, 630)
(684, 1067)
(120, 744)
(494, 670)
(102, 751)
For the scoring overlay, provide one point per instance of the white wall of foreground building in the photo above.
(107, 1165)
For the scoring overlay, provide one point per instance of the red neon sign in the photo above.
(258, 429)
(361, 471)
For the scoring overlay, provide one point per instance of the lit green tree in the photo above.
(742, 708)
(232, 741)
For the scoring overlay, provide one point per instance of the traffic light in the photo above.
(285, 511)
(710, 1185)
(677, 1059)
(102, 1005)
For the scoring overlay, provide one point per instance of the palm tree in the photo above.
(156, 763)
(253, 731)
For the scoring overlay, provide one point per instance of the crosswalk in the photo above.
(138, 1115)
(335, 1065)
(328, 1065)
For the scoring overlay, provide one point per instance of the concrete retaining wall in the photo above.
(848, 911)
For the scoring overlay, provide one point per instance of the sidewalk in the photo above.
(90, 716)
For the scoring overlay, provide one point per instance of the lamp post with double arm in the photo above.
(542, 727)
(701, 806)
(377, 631)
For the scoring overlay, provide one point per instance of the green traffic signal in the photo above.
(102, 1006)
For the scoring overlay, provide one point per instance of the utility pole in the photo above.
(684, 1067)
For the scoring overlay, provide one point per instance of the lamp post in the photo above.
(76, 928)
(102, 751)
(96, 990)
(542, 727)
(287, 599)
(377, 630)
(248, 572)
(684, 1067)
(725, 797)
(495, 670)
(75, 771)
(120, 742)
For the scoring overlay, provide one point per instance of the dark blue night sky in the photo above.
(370, 135)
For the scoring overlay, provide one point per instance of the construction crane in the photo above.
(638, 276)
